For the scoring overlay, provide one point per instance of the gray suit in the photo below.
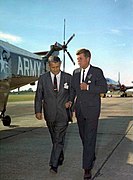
(53, 106)
(87, 109)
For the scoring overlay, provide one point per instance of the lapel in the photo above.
(77, 78)
(49, 80)
(61, 81)
(89, 75)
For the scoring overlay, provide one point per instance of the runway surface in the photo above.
(25, 146)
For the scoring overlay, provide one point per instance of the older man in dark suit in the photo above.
(52, 93)
(87, 84)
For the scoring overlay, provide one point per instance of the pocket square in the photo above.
(66, 86)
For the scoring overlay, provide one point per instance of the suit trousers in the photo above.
(88, 132)
(57, 131)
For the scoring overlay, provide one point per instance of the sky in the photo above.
(105, 27)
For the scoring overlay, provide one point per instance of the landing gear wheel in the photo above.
(6, 120)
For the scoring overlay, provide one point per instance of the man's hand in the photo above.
(38, 116)
(84, 86)
(68, 104)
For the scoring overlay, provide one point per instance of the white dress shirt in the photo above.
(58, 76)
(85, 73)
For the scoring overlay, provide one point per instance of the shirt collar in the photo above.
(86, 69)
(57, 75)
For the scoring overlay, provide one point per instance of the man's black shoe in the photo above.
(53, 169)
(87, 174)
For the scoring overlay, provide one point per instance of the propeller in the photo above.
(64, 47)
(58, 47)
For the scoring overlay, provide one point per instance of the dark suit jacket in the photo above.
(50, 102)
(88, 102)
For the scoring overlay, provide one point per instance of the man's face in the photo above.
(55, 67)
(83, 62)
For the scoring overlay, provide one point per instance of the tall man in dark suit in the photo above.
(52, 93)
(87, 84)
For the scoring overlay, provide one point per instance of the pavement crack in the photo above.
(17, 133)
(98, 173)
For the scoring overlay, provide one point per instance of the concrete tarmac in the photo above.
(25, 146)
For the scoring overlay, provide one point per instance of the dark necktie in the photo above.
(55, 83)
(83, 76)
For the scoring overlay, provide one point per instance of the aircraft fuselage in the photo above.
(18, 67)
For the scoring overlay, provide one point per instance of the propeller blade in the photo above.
(63, 59)
(50, 52)
(70, 39)
(54, 50)
(70, 57)
(64, 47)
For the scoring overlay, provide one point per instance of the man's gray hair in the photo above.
(54, 59)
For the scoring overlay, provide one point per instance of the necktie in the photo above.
(55, 83)
(83, 76)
